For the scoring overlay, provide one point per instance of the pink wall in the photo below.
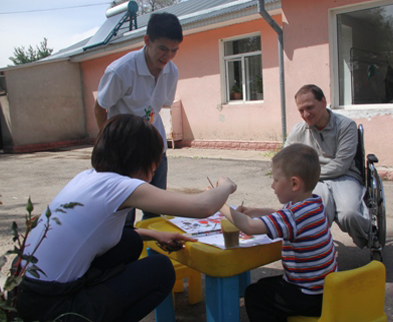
(92, 72)
(306, 60)
(199, 88)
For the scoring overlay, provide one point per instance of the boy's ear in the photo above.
(296, 183)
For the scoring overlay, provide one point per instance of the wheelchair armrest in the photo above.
(372, 158)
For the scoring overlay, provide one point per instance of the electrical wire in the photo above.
(52, 9)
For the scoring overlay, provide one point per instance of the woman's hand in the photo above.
(172, 242)
(227, 181)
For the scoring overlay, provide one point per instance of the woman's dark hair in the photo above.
(164, 25)
(317, 92)
(127, 145)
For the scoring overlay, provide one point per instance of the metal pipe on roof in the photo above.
(268, 18)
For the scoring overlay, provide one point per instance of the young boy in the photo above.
(308, 253)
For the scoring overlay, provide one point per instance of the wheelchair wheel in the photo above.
(381, 214)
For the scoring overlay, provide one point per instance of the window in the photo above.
(243, 69)
(365, 55)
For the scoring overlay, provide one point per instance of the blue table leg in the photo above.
(165, 312)
(222, 299)
(244, 281)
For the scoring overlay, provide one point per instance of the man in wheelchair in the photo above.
(341, 185)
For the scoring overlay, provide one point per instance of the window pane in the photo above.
(241, 46)
(365, 50)
(235, 80)
(254, 78)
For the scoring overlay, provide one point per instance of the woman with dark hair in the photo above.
(90, 261)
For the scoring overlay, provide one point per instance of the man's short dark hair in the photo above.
(164, 25)
(318, 93)
(299, 160)
(127, 145)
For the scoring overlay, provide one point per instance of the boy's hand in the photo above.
(242, 209)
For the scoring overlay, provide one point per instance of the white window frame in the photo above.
(225, 96)
(334, 60)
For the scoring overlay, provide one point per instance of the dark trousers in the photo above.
(160, 181)
(118, 287)
(143, 284)
(272, 299)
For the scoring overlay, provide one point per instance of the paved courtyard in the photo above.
(42, 175)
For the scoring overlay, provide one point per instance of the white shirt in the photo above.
(86, 231)
(127, 86)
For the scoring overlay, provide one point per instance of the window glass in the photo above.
(365, 56)
(243, 69)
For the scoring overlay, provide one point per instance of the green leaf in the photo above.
(60, 210)
(14, 228)
(15, 251)
(56, 220)
(12, 282)
(29, 258)
(35, 270)
(5, 305)
(34, 221)
(3, 260)
(71, 205)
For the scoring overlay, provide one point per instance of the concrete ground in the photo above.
(42, 175)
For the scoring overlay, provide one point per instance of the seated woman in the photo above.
(90, 261)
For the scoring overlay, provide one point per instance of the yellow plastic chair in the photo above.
(194, 277)
(353, 295)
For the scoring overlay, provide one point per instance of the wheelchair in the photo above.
(374, 198)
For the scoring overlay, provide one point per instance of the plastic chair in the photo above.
(353, 295)
(182, 271)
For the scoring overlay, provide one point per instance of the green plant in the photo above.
(258, 84)
(236, 88)
(24, 263)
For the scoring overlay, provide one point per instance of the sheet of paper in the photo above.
(217, 240)
(208, 231)
(198, 225)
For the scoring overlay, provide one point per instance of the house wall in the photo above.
(207, 122)
(92, 72)
(308, 60)
(199, 89)
(45, 105)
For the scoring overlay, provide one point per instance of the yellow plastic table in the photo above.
(227, 272)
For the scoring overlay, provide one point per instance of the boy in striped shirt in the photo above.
(308, 253)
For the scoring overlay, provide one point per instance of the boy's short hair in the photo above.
(317, 91)
(127, 145)
(299, 160)
(164, 25)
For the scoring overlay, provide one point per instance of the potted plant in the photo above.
(236, 92)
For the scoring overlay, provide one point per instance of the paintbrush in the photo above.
(210, 182)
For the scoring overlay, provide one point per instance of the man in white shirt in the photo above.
(143, 81)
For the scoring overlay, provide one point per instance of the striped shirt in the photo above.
(308, 252)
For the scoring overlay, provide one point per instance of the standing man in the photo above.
(335, 138)
(142, 82)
